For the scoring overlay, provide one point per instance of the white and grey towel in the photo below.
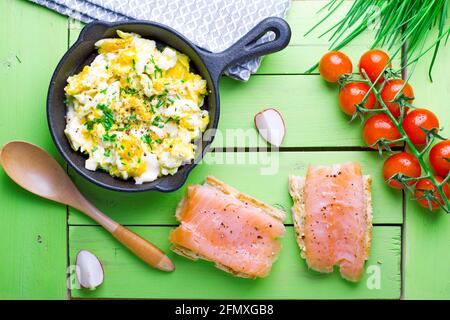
(211, 24)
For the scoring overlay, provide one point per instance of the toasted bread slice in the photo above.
(297, 192)
(185, 213)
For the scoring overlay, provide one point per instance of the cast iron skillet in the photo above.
(209, 65)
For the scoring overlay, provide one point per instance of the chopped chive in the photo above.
(111, 138)
(159, 104)
(130, 91)
(89, 125)
(146, 138)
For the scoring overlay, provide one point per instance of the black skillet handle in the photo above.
(246, 47)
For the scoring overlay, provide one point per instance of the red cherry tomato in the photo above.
(440, 158)
(417, 119)
(352, 94)
(377, 127)
(333, 65)
(404, 163)
(426, 184)
(373, 63)
(390, 90)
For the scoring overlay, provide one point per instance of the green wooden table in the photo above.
(410, 257)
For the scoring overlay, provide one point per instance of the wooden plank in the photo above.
(303, 52)
(75, 27)
(308, 104)
(427, 247)
(32, 230)
(427, 235)
(126, 276)
(297, 59)
(262, 175)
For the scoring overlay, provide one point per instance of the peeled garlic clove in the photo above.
(270, 125)
(89, 270)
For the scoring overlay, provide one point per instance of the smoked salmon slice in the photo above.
(333, 218)
(235, 231)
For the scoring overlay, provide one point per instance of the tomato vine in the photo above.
(384, 144)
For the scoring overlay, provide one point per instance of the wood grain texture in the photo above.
(32, 230)
(250, 173)
(127, 276)
(427, 235)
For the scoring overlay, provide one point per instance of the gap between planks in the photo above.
(267, 149)
(404, 62)
(69, 292)
(168, 225)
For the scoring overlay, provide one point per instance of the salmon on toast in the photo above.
(332, 216)
(235, 231)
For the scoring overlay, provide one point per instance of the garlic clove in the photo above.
(89, 270)
(270, 125)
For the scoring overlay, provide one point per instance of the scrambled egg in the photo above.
(136, 111)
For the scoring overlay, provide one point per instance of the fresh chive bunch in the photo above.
(397, 22)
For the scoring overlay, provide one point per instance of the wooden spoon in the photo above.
(35, 170)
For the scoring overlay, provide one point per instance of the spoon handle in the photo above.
(142, 248)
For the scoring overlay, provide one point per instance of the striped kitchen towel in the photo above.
(211, 24)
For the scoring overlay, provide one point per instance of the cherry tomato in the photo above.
(352, 94)
(404, 163)
(417, 119)
(333, 65)
(377, 127)
(373, 63)
(390, 90)
(440, 158)
(426, 184)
